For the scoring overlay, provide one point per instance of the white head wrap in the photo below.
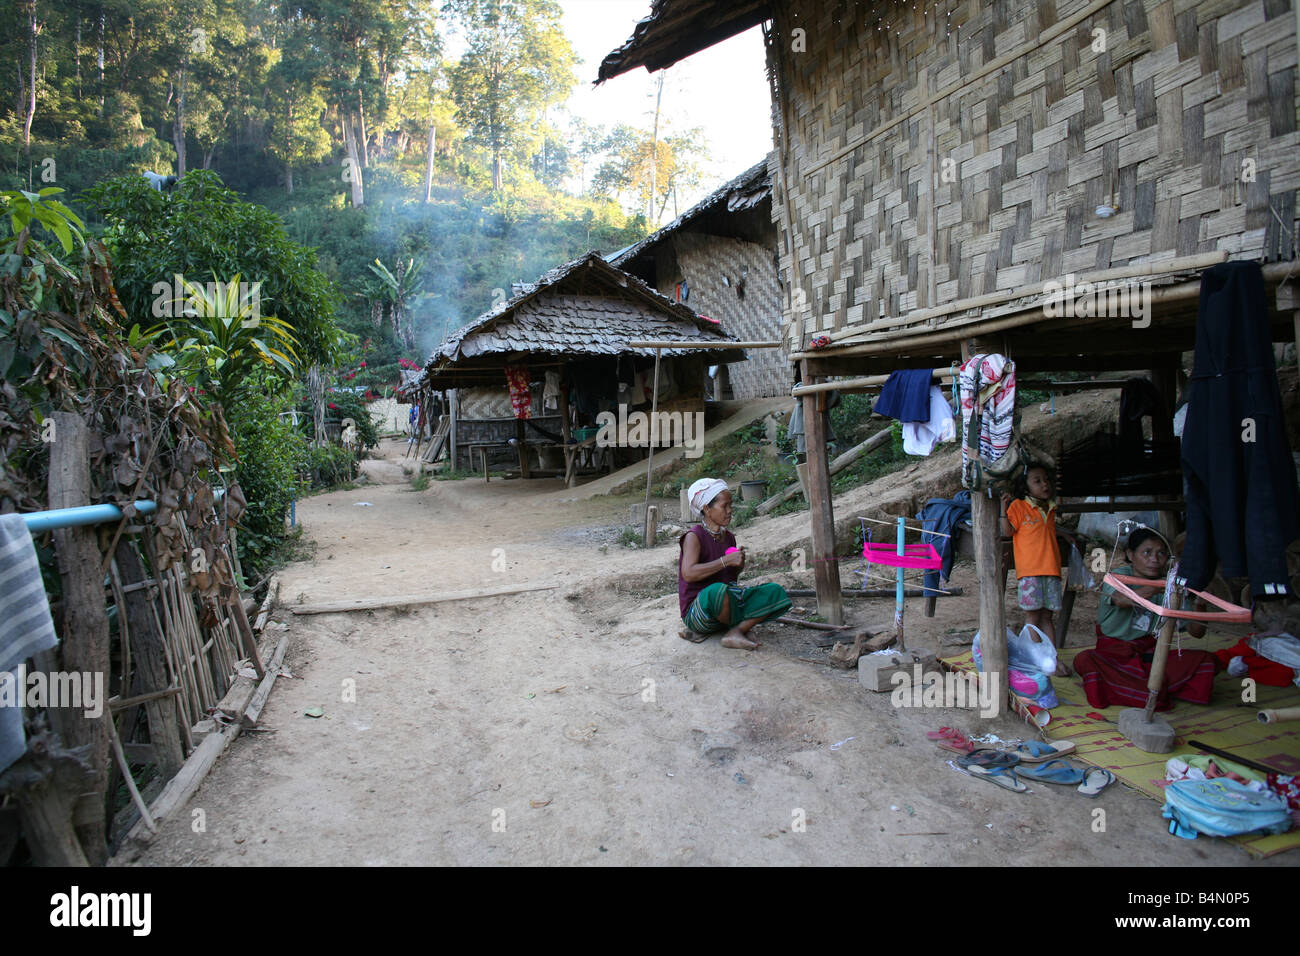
(704, 491)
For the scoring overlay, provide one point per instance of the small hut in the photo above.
(532, 377)
(944, 171)
(719, 257)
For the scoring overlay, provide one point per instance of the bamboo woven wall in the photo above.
(715, 267)
(1164, 119)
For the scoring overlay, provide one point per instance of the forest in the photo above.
(422, 149)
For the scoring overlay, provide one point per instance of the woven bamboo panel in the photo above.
(477, 403)
(1186, 120)
(734, 281)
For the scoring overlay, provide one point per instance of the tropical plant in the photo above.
(218, 339)
(25, 208)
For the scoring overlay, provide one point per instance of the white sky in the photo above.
(722, 89)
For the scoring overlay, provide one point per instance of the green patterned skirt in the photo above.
(758, 602)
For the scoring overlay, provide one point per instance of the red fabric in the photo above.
(1262, 670)
(521, 395)
(1114, 674)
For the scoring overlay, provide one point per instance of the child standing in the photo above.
(1030, 521)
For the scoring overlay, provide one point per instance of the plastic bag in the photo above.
(1031, 664)
(1079, 577)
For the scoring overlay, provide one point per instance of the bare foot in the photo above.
(1063, 669)
(735, 638)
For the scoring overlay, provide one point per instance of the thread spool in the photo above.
(1279, 715)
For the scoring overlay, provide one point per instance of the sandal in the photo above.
(1004, 777)
(988, 759)
(1095, 781)
(1035, 751)
(1054, 771)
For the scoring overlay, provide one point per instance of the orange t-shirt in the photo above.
(1034, 544)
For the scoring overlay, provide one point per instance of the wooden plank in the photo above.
(258, 701)
(409, 600)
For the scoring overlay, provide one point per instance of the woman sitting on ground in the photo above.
(707, 569)
(1117, 670)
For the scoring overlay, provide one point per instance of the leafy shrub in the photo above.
(270, 454)
(330, 465)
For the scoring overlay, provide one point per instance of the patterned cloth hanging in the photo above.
(987, 387)
(521, 395)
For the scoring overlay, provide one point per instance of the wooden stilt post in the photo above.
(826, 568)
(987, 535)
(985, 513)
(521, 441)
(566, 436)
(649, 462)
(85, 620)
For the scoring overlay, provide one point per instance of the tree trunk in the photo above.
(365, 135)
(496, 170)
(288, 178)
(350, 139)
(428, 163)
(654, 155)
(33, 32)
(77, 53)
(99, 58)
(178, 123)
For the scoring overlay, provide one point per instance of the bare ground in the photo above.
(572, 726)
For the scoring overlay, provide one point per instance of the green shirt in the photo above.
(1129, 623)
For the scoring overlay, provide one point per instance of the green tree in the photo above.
(201, 229)
(517, 62)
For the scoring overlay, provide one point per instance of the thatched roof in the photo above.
(583, 309)
(677, 28)
(746, 191)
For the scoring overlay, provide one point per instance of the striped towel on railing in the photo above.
(25, 627)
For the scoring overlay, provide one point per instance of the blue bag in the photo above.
(1222, 807)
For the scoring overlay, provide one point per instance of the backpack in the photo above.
(1222, 807)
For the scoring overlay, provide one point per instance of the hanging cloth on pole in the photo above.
(521, 395)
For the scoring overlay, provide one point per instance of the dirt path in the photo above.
(572, 726)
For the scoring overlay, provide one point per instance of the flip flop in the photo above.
(1054, 771)
(958, 745)
(1035, 751)
(988, 760)
(944, 733)
(1004, 777)
(1095, 781)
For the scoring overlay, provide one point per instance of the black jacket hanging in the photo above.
(1240, 477)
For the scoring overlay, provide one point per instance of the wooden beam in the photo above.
(826, 567)
(702, 345)
(410, 600)
(84, 618)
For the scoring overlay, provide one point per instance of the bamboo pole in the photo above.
(865, 383)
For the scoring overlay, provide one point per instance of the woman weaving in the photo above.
(707, 569)
(1117, 670)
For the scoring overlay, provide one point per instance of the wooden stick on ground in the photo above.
(814, 625)
(407, 600)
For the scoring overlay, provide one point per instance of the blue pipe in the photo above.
(76, 517)
(39, 521)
